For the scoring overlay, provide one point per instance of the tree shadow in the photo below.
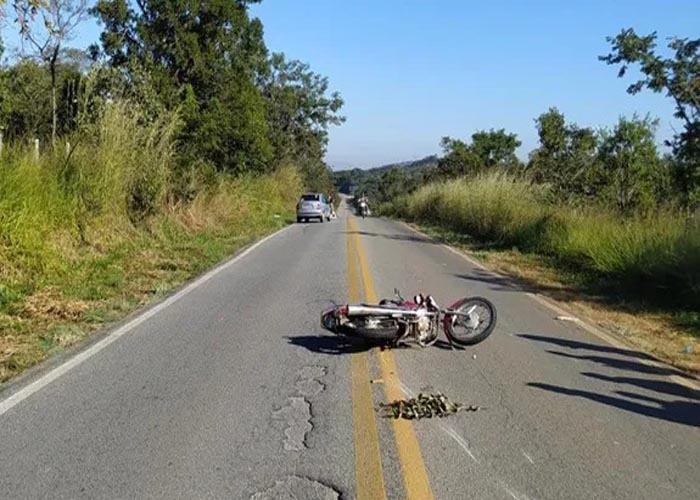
(653, 385)
(623, 364)
(678, 411)
(510, 283)
(395, 236)
(672, 402)
(575, 344)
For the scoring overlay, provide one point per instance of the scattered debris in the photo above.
(424, 406)
(567, 318)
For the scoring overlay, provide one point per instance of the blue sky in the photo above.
(413, 71)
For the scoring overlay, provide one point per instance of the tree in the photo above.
(299, 109)
(203, 57)
(46, 37)
(458, 159)
(566, 157)
(494, 148)
(26, 103)
(632, 171)
(679, 77)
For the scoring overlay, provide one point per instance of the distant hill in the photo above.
(409, 166)
(349, 179)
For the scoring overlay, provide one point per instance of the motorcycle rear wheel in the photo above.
(383, 329)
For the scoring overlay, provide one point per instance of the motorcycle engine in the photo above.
(424, 328)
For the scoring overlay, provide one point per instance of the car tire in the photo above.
(298, 220)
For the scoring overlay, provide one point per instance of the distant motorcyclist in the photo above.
(363, 206)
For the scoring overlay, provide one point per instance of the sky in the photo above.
(413, 71)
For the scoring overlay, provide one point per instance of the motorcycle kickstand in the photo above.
(452, 346)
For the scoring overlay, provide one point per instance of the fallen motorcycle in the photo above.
(468, 321)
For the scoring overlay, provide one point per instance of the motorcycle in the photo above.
(363, 209)
(468, 321)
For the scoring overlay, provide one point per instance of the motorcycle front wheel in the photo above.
(472, 328)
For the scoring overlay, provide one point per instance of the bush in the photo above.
(655, 258)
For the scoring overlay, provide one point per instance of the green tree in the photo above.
(566, 157)
(488, 149)
(458, 159)
(632, 171)
(58, 19)
(26, 99)
(204, 57)
(299, 109)
(677, 75)
(495, 148)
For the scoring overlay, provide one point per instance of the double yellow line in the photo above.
(368, 467)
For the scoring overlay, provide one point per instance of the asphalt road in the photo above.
(231, 390)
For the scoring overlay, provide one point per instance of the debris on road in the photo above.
(424, 406)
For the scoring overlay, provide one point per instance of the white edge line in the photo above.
(64, 368)
(547, 303)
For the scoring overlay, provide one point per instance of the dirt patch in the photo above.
(47, 304)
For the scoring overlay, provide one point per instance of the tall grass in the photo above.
(654, 258)
(87, 236)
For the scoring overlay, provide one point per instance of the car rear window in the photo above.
(309, 197)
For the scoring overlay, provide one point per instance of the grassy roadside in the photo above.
(663, 334)
(101, 283)
(635, 278)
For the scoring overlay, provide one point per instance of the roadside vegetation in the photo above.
(128, 169)
(602, 214)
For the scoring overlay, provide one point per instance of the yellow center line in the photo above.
(369, 479)
(415, 476)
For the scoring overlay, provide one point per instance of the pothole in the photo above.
(296, 416)
(297, 488)
(308, 380)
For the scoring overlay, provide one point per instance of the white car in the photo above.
(313, 206)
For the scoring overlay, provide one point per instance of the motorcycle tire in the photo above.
(450, 321)
(388, 329)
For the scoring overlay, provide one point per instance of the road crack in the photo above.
(298, 487)
(296, 415)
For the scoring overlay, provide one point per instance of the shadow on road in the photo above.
(666, 400)
(397, 236)
(330, 344)
(660, 386)
(576, 345)
(678, 411)
(621, 364)
(512, 283)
